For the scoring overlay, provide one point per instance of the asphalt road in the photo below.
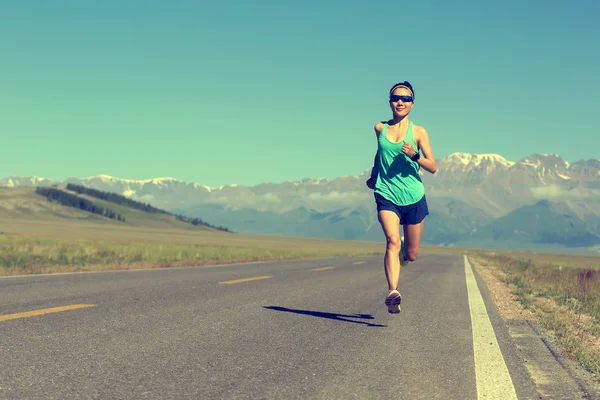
(312, 329)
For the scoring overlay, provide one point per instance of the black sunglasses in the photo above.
(405, 99)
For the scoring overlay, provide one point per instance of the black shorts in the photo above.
(411, 214)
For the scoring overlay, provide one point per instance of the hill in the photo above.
(78, 203)
(544, 222)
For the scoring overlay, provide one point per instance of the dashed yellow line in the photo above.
(358, 262)
(322, 269)
(43, 311)
(255, 278)
(491, 373)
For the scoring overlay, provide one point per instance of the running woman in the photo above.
(398, 188)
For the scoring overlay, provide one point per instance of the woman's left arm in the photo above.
(427, 161)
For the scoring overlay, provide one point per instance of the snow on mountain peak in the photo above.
(102, 177)
(17, 181)
(108, 178)
(160, 181)
(198, 186)
(545, 160)
(475, 160)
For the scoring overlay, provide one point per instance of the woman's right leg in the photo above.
(390, 223)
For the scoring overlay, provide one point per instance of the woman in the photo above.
(398, 188)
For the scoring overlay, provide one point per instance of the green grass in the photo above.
(577, 287)
(42, 236)
(572, 286)
(24, 203)
(26, 255)
(135, 217)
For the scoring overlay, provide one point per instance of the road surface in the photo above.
(304, 329)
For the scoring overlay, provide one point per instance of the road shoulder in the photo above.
(538, 368)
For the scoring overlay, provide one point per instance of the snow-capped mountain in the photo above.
(465, 161)
(24, 181)
(489, 181)
(468, 191)
(498, 186)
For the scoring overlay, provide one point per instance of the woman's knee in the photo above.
(393, 242)
(411, 253)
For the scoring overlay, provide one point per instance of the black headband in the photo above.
(404, 86)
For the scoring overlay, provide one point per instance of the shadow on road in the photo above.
(334, 316)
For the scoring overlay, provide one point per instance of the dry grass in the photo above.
(26, 255)
(41, 246)
(562, 292)
(74, 229)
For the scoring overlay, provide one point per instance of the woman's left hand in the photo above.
(408, 149)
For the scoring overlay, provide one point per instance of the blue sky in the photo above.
(247, 92)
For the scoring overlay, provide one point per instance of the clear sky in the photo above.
(219, 92)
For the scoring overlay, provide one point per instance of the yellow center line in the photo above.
(491, 373)
(322, 269)
(43, 311)
(358, 262)
(245, 280)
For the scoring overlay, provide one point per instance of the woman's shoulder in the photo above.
(379, 126)
(418, 131)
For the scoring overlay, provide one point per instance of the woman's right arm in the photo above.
(375, 169)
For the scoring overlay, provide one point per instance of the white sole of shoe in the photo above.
(393, 304)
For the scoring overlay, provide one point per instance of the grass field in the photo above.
(38, 236)
(562, 292)
(24, 203)
(44, 246)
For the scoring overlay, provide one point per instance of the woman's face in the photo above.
(401, 102)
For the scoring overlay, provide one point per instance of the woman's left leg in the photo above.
(413, 229)
(412, 240)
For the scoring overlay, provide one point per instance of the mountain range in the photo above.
(475, 200)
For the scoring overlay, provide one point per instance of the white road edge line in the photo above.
(491, 372)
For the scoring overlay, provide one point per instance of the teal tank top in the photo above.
(398, 178)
